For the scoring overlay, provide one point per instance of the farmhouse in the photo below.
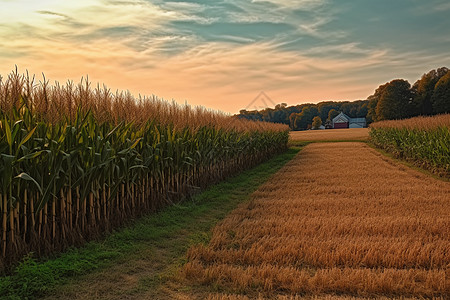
(344, 121)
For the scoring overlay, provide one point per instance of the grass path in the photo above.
(141, 261)
(341, 219)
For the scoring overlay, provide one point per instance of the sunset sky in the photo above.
(222, 54)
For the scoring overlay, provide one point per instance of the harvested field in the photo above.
(354, 134)
(340, 220)
(283, 297)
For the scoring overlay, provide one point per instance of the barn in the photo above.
(344, 121)
(341, 121)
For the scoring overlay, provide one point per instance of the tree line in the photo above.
(396, 99)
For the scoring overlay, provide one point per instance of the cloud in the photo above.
(294, 4)
(50, 13)
(214, 74)
(443, 6)
(314, 28)
(345, 50)
(130, 23)
(166, 26)
(237, 39)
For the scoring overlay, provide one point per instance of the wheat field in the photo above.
(353, 134)
(220, 296)
(339, 221)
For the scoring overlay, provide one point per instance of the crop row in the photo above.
(422, 140)
(76, 162)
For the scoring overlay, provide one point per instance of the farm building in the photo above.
(344, 121)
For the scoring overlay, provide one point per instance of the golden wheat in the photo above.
(284, 297)
(354, 134)
(340, 219)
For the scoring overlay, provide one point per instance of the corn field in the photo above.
(422, 140)
(77, 161)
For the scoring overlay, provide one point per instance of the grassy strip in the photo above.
(33, 279)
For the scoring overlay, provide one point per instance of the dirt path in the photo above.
(340, 219)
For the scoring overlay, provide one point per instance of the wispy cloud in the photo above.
(315, 28)
(346, 50)
(50, 13)
(295, 4)
(442, 6)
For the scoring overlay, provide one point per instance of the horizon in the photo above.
(222, 55)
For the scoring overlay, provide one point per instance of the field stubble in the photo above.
(353, 134)
(338, 220)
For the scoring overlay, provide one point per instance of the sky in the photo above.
(222, 54)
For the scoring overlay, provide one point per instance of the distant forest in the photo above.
(396, 99)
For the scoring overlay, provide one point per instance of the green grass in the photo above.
(175, 228)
